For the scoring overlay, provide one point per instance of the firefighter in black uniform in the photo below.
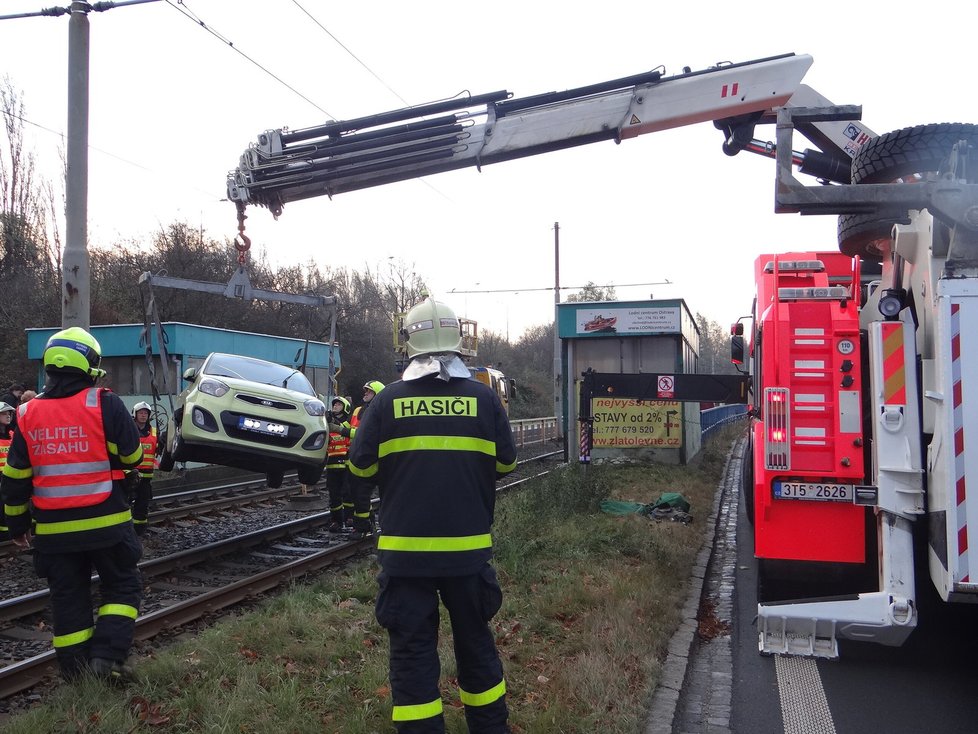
(6, 437)
(143, 494)
(340, 501)
(436, 441)
(65, 470)
(359, 488)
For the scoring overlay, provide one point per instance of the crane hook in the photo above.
(242, 242)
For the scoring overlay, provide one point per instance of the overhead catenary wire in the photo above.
(355, 57)
(121, 159)
(563, 287)
(186, 12)
(373, 74)
(181, 7)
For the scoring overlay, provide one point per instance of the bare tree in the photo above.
(593, 292)
(28, 265)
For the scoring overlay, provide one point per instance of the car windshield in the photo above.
(257, 370)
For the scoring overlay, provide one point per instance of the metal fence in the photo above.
(534, 430)
(712, 418)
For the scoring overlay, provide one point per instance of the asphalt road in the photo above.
(929, 685)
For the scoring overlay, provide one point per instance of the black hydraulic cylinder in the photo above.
(385, 118)
(538, 100)
(829, 167)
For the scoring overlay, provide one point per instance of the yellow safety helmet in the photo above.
(374, 385)
(432, 327)
(342, 401)
(74, 350)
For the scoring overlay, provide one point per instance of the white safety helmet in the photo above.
(141, 405)
(4, 407)
(432, 327)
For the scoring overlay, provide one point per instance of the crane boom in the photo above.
(285, 166)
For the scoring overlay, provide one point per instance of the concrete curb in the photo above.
(665, 698)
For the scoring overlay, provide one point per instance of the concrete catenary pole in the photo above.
(557, 381)
(76, 290)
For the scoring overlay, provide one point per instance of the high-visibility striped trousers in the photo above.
(408, 608)
(340, 496)
(76, 638)
(361, 490)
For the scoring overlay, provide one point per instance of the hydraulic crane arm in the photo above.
(285, 166)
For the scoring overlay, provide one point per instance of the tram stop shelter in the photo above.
(624, 357)
(124, 357)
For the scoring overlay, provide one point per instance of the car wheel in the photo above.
(179, 449)
(166, 458)
(274, 479)
(310, 474)
(890, 157)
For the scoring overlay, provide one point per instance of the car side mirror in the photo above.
(190, 374)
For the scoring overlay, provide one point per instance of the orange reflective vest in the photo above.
(4, 449)
(68, 453)
(149, 462)
(336, 451)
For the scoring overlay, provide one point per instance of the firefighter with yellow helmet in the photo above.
(436, 441)
(65, 470)
(143, 494)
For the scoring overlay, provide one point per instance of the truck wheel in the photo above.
(889, 158)
(866, 234)
(310, 475)
(909, 151)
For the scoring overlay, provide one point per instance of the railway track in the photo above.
(185, 586)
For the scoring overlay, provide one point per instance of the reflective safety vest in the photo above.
(4, 449)
(149, 462)
(355, 421)
(67, 449)
(336, 451)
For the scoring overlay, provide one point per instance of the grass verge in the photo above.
(590, 603)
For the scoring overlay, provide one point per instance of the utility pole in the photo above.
(76, 303)
(558, 413)
(75, 275)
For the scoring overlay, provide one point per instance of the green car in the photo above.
(250, 414)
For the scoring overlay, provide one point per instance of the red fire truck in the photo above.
(808, 434)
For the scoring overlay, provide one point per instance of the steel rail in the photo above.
(24, 674)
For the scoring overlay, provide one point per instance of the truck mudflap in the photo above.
(813, 628)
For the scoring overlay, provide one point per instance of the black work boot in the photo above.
(361, 528)
(111, 671)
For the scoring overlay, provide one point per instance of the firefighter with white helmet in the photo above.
(337, 484)
(143, 493)
(361, 489)
(66, 471)
(436, 441)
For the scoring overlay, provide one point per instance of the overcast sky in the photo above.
(173, 107)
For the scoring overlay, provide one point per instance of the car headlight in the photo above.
(315, 407)
(213, 387)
